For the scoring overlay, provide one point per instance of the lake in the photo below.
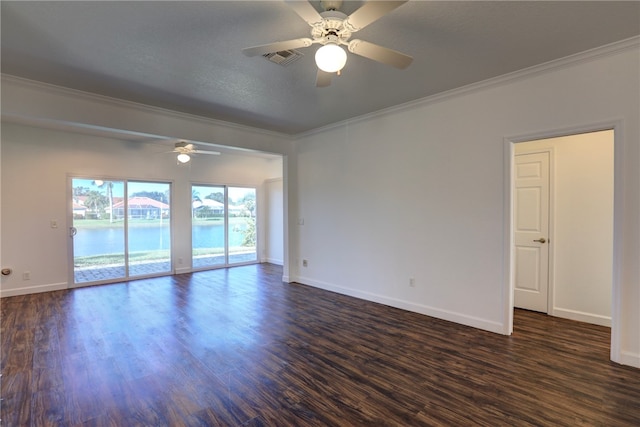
(109, 240)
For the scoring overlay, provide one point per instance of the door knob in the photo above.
(541, 240)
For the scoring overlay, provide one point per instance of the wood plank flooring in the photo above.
(237, 347)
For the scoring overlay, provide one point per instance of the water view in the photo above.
(110, 240)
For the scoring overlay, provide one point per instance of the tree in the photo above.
(249, 234)
(80, 191)
(250, 205)
(108, 185)
(96, 201)
(249, 196)
(218, 197)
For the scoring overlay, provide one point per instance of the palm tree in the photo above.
(96, 200)
(109, 187)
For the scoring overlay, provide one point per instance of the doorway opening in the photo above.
(568, 264)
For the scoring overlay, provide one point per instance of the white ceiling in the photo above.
(186, 56)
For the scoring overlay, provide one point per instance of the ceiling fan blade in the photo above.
(380, 54)
(213, 153)
(305, 10)
(371, 11)
(277, 47)
(323, 79)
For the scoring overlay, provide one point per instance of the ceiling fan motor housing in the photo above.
(331, 29)
(183, 147)
(331, 4)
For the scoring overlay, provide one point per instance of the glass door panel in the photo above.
(99, 240)
(208, 226)
(242, 225)
(149, 227)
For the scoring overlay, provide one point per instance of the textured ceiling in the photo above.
(186, 56)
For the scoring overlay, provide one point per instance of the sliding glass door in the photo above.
(149, 230)
(208, 219)
(223, 229)
(114, 236)
(98, 235)
(242, 225)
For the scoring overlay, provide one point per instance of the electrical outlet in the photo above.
(305, 263)
(26, 275)
(412, 282)
(179, 260)
(54, 223)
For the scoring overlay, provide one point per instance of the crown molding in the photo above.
(586, 56)
(526, 73)
(144, 108)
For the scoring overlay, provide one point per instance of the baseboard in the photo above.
(33, 289)
(629, 359)
(273, 261)
(451, 316)
(182, 270)
(581, 316)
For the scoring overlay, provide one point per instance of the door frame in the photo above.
(509, 261)
(551, 218)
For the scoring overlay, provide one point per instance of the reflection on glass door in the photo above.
(242, 225)
(116, 236)
(148, 227)
(99, 236)
(208, 226)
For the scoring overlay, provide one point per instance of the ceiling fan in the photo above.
(332, 29)
(186, 149)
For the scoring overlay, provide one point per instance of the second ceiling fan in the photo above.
(333, 29)
(186, 149)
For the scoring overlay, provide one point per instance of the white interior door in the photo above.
(531, 225)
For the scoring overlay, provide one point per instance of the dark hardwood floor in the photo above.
(238, 347)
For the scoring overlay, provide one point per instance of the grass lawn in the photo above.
(142, 256)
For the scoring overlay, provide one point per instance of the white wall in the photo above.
(36, 164)
(582, 238)
(422, 191)
(274, 231)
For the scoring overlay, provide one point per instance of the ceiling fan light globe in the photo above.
(331, 58)
(183, 158)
